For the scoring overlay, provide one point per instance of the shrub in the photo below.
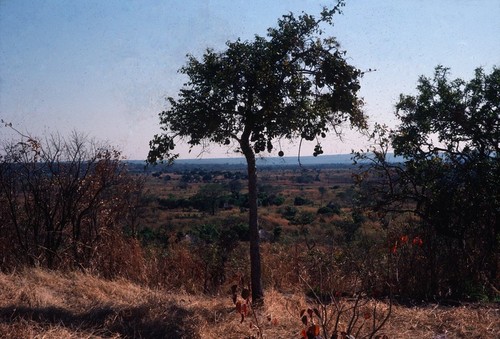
(242, 230)
(325, 210)
(288, 212)
(301, 201)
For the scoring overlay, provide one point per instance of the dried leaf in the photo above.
(302, 312)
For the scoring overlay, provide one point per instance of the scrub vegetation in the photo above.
(92, 245)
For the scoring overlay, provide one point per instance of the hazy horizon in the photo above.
(104, 68)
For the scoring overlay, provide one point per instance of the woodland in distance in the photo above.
(95, 246)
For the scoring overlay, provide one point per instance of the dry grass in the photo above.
(36, 303)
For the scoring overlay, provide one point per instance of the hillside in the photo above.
(37, 303)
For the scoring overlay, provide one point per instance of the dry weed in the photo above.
(35, 303)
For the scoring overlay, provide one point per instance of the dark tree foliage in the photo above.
(292, 83)
(449, 137)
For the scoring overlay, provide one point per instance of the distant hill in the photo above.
(264, 161)
(322, 160)
(273, 161)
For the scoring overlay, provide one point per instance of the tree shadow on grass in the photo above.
(129, 322)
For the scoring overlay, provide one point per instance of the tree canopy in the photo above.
(449, 138)
(293, 83)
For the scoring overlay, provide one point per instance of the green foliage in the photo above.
(329, 209)
(277, 232)
(172, 203)
(209, 197)
(358, 217)
(293, 83)
(303, 218)
(301, 201)
(305, 179)
(146, 235)
(214, 245)
(325, 210)
(288, 212)
(449, 138)
(242, 230)
(271, 200)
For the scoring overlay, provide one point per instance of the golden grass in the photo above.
(36, 303)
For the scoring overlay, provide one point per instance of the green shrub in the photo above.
(301, 201)
(288, 212)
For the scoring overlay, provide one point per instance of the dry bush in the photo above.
(118, 256)
(273, 220)
(281, 265)
(175, 268)
(8, 248)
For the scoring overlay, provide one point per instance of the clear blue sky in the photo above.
(105, 67)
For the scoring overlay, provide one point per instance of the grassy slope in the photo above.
(36, 303)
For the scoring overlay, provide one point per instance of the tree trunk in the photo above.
(255, 266)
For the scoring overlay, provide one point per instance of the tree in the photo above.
(209, 197)
(59, 195)
(293, 83)
(449, 138)
(322, 191)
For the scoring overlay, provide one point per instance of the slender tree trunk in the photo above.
(255, 266)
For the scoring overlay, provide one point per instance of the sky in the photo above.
(105, 68)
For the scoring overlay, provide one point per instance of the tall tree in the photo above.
(292, 83)
(449, 141)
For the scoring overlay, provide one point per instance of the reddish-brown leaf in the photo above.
(313, 330)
